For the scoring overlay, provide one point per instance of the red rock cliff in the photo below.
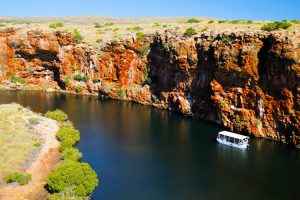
(248, 83)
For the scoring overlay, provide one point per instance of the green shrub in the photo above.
(79, 176)
(97, 25)
(227, 39)
(156, 24)
(67, 81)
(18, 177)
(211, 21)
(223, 104)
(56, 25)
(276, 25)
(222, 21)
(37, 144)
(57, 115)
(71, 153)
(235, 22)
(122, 93)
(78, 89)
(77, 36)
(241, 21)
(295, 21)
(17, 79)
(193, 20)
(68, 136)
(140, 35)
(190, 32)
(109, 24)
(135, 28)
(143, 50)
(80, 77)
(115, 29)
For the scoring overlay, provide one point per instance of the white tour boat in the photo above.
(233, 139)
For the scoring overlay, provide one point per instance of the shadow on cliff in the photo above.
(165, 72)
(275, 69)
(50, 61)
(191, 79)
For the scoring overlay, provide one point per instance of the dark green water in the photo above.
(142, 153)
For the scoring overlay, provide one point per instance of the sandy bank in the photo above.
(40, 168)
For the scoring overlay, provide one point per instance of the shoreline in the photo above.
(47, 159)
(35, 88)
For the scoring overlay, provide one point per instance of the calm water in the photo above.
(145, 154)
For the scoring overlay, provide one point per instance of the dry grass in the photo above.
(18, 140)
(99, 29)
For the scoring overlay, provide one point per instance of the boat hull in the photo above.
(240, 146)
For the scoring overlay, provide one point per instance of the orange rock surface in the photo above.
(247, 82)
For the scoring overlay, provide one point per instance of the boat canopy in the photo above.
(233, 135)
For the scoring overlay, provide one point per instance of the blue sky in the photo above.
(252, 9)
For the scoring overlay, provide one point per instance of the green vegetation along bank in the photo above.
(71, 179)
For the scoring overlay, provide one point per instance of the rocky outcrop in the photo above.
(247, 82)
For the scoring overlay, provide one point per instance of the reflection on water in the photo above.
(143, 153)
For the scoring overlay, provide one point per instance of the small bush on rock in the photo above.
(77, 36)
(276, 25)
(17, 79)
(190, 32)
(68, 136)
(222, 21)
(71, 154)
(18, 177)
(140, 35)
(122, 93)
(57, 115)
(109, 24)
(97, 25)
(67, 81)
(156, 24)
(80, 77)
(193, 20)
(56, 25)
(78, 88)
(79, 176)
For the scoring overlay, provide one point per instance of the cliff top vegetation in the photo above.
(95, 30)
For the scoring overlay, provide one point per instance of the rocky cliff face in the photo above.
(247, 82)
